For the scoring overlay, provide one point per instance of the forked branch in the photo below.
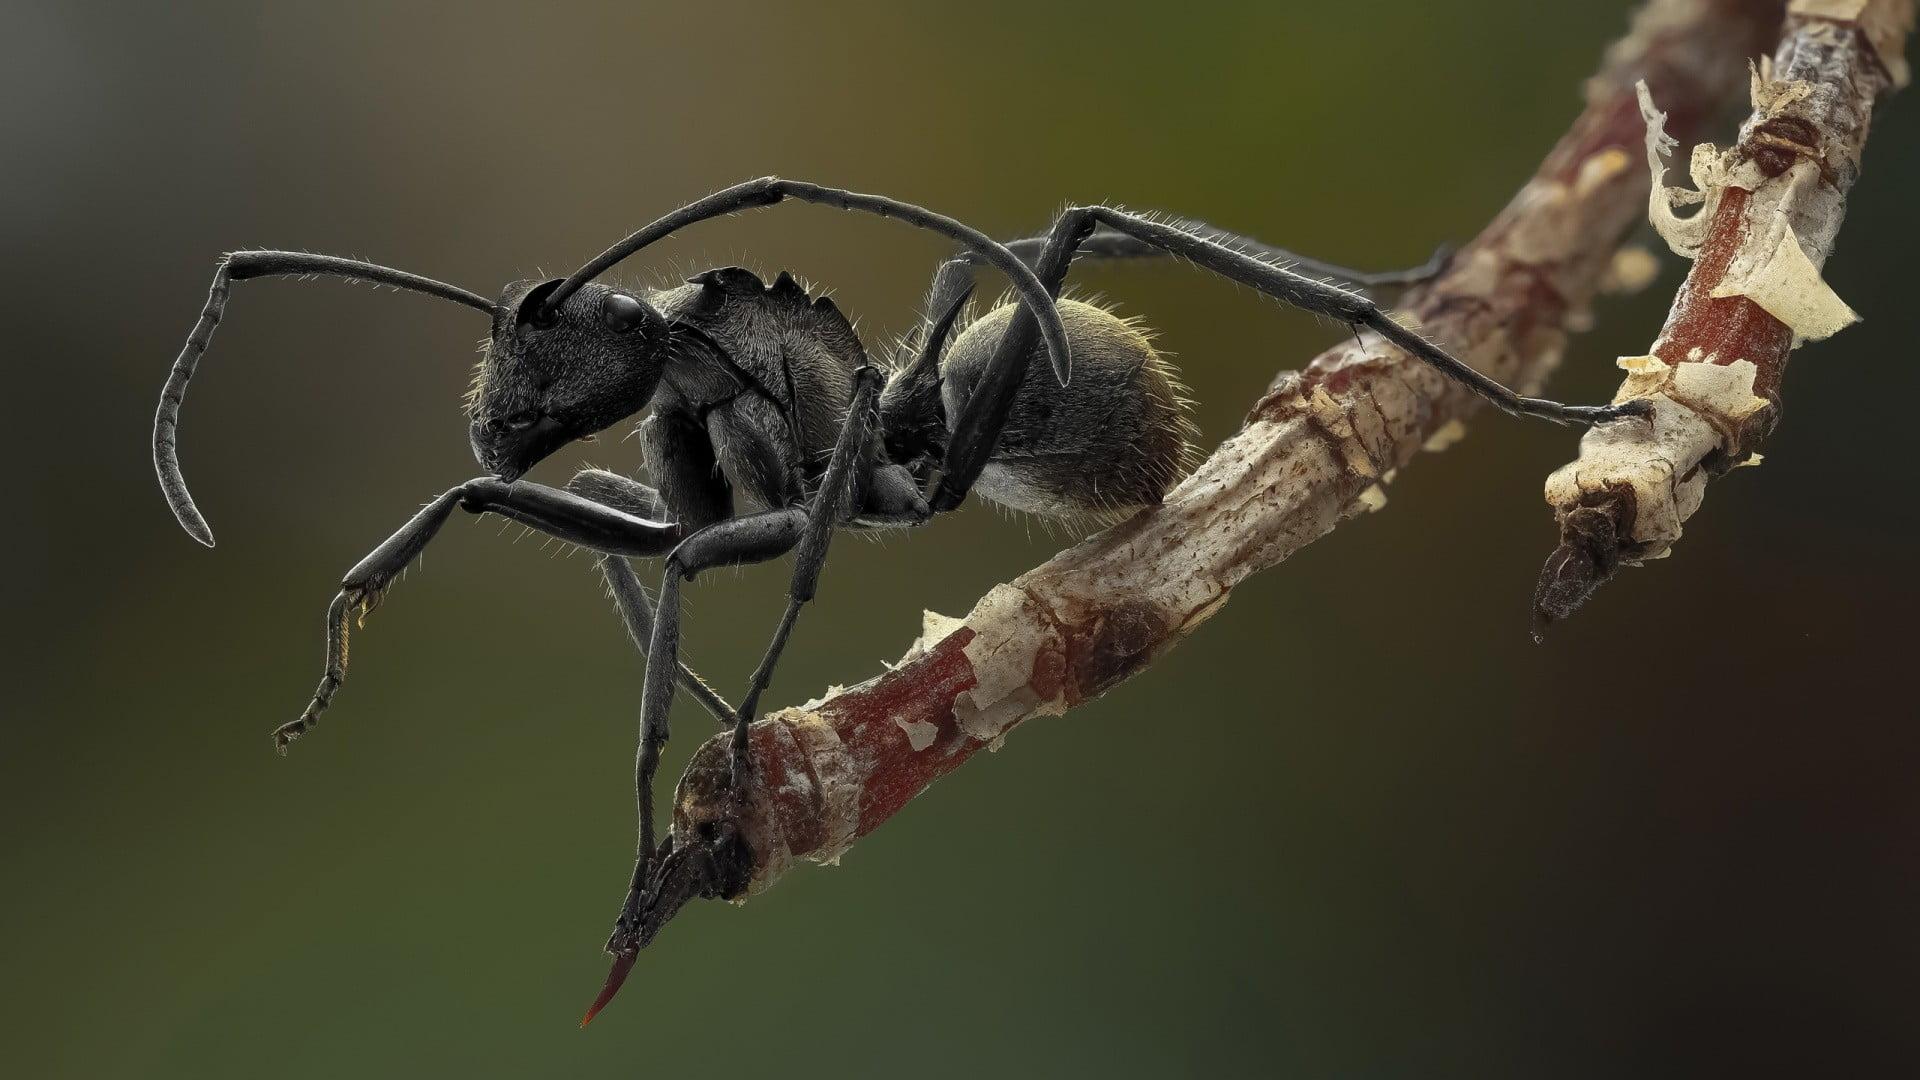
(1317, 449)
(1772, 208)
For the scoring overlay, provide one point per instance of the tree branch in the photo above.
(1772, 208)
(1315, 450)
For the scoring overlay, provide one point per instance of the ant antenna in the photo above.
(238, 266)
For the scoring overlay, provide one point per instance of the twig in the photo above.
(1773, 205)
(1313, 452)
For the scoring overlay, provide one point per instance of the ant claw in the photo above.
(284, 735)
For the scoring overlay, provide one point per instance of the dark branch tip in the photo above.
(1587, 557)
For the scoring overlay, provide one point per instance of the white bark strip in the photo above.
(1836, 58)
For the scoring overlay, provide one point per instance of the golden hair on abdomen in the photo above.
(1113, 440)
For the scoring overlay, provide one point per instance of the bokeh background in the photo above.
(1359, 826)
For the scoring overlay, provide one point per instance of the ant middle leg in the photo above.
(630, 600)
(738, 541)
(834, 503)
(629, 597)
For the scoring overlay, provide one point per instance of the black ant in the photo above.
(762, 394)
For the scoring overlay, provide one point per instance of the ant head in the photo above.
(556, 373)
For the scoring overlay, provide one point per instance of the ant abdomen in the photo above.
(1113, 439)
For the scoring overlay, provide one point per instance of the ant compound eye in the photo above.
(622, 313)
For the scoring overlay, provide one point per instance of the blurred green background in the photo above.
(1358, 826)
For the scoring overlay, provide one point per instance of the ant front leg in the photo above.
(561, 514)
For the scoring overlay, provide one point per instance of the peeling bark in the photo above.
(1771, 207)
(1317, 449)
